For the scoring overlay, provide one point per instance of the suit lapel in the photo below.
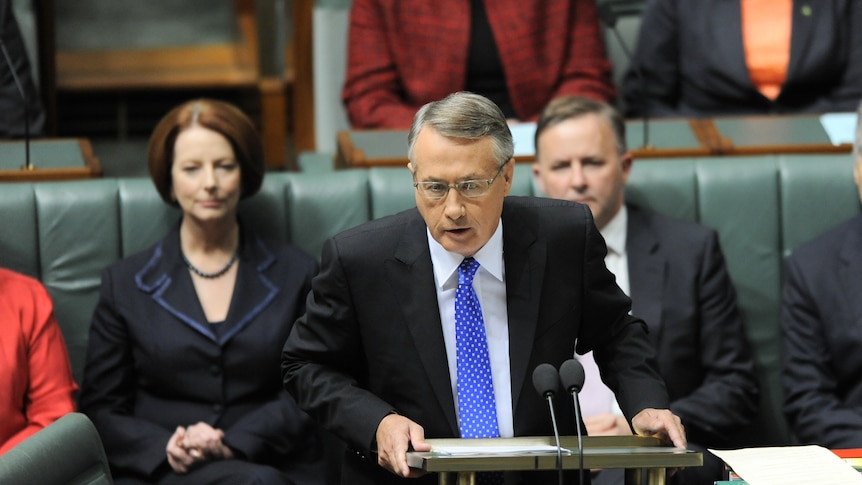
(646, 271)
(253, 291)
(852, 268)
(729, 50)
(412, 280)
(524, 260)
(169, 283)
(802, 27)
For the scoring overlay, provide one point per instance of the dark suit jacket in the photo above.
(153, 362)
(405, 53)
(12, 109)
(680, 287)
(692, 60)
(371, 341)
(822, 327)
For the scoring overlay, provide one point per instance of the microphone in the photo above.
(546, 380)
(608, 17)
(572, 376)
(27, 164)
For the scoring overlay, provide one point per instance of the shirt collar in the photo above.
(445, 263)
(614, 231)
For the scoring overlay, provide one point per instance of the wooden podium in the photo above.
(52, 159)
(633, 453)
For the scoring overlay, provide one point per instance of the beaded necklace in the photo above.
(214, 275)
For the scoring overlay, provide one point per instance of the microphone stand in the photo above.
(550, 398)
(572, 377)
(580, 439)
(546, 380)
(27, 164)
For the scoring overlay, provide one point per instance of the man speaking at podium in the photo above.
(429, 323)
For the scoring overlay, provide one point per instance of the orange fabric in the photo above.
(766, 28)
(36, 384)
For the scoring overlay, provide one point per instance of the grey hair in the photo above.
(569, 107)
(466, 116)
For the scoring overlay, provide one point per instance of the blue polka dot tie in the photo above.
(476, 405)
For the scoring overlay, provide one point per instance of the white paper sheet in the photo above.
(498, 450)
(789, 465)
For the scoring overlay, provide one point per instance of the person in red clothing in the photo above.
(520, 54)
(36, 384)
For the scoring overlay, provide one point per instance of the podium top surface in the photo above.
(773, 130)
(50, 159)
(65, 153)
(599, 452)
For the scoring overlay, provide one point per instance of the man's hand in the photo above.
(607, 424)
(394, 435)
(662, 424)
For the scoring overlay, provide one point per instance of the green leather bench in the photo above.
(763, 207)
(68, 451)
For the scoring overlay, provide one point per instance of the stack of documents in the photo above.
(788, 465)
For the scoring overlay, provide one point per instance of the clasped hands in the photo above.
(198, 443)
(396, 434)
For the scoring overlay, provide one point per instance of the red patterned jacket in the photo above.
(405, 53)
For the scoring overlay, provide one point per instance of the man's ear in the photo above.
(538, 179)
(509, 173)
(626, 160)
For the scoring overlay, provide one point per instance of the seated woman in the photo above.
(520, 54)
(182, 377)
(714, 57)
(36, 384)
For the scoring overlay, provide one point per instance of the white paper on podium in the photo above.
(789, 465)
(498, 450)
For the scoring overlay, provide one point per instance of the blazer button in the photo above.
(215, 370)
(217, 408)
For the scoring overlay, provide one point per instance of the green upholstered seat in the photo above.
(67, 452)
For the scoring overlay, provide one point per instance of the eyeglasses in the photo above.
(467, 188)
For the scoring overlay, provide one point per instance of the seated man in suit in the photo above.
(821, 320)
(398, 344)
(673, 271)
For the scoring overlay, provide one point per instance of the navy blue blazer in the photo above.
(821, 320)
(691, 56)
(371, 341)
(680, 287)
(154, 362)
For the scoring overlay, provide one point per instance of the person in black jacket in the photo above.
(15, 115)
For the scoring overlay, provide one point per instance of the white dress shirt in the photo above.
(595, 397)
(490, 286)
